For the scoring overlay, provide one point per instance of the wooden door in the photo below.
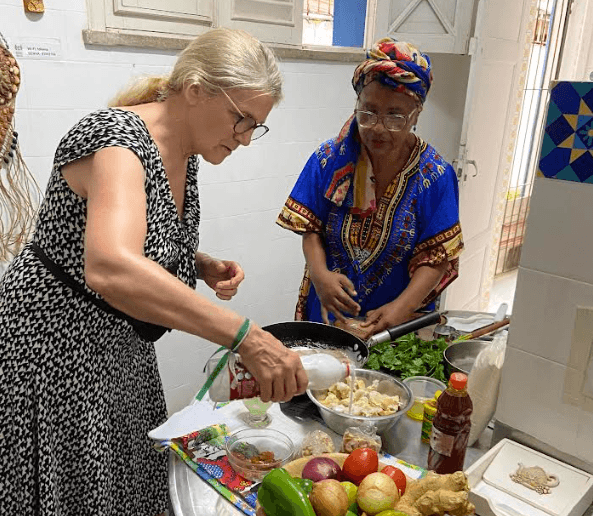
(499, 54)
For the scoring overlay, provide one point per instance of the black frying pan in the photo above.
(322, 336)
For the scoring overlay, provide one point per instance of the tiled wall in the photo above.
(241, 197)
(555, 279)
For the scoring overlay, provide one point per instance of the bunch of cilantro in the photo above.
(409, 356)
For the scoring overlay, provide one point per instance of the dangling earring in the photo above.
(413, 128)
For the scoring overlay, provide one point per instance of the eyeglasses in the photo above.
(246, 123)
(368, 119)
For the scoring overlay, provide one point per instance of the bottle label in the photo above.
(442, 443)
(242, 383)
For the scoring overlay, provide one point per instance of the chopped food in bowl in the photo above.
(366, 399)
(252, 452)
(380, 398)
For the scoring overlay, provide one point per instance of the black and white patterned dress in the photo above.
(79, 388)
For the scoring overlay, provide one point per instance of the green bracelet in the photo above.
(239, 338)
(241, 334)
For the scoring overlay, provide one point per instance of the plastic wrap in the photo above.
(483, 385)
(364, 436)
(317, 443)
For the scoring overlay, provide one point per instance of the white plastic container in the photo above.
(494, 493)
(235, 382)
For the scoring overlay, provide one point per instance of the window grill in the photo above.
(318, 7)
(542, 27)
(533, 108)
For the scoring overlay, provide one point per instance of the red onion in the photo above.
(321, 468)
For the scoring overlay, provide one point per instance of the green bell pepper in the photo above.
(280, 495)
(305, 484)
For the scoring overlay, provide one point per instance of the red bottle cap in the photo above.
(458, 381)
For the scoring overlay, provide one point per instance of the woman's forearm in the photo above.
(314, 253)
(144, 290)
(201, 258)
(423, 281)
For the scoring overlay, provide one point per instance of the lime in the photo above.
(351, 491)
(392, 512)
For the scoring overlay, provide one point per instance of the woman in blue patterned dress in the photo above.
(377, 206)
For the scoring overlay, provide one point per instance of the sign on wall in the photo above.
(32, 48)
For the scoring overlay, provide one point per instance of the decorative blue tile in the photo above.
(566, 97)
(555, 161)
(567, 173)
(583, 166)
(567, 146)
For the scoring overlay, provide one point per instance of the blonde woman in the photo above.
(112, 265)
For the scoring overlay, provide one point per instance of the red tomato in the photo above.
(359, 464)
(398, 476)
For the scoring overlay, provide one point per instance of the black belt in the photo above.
(148, 331)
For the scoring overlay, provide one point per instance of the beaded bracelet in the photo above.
(241, 335)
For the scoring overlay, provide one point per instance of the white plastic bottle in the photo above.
(235, 382)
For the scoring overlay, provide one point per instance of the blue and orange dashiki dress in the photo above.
(378, 246)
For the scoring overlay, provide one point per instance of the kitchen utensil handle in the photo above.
(489, 329)
(403, 329)
(485, 330)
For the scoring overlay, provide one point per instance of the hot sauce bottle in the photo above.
(450, 427)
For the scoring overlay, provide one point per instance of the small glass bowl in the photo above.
(244, 444)
(423, 389)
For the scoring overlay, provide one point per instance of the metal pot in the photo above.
(460, 357)
(340, 421)
(322, 336)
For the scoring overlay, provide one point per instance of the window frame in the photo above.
(99, 33)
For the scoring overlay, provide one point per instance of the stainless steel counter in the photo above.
(191, 496)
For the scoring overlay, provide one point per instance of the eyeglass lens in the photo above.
(246, 124)
(391, 122)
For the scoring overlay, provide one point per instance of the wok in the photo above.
(313, 335)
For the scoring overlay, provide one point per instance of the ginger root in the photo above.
(437, 495)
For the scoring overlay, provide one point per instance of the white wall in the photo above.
(550, 346)
(577, 53)
(240, 198)
(547, 383)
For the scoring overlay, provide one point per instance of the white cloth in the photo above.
(201, 414)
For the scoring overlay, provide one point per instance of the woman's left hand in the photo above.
(384, 317)
(222, 276)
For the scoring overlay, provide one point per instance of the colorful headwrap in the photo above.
(396, 64)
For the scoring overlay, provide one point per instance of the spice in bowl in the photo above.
(254, 452)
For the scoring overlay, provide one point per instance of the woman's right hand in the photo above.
(336, 293)
(277, 369)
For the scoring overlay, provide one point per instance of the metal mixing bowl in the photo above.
(339, 421)
(460, 357)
